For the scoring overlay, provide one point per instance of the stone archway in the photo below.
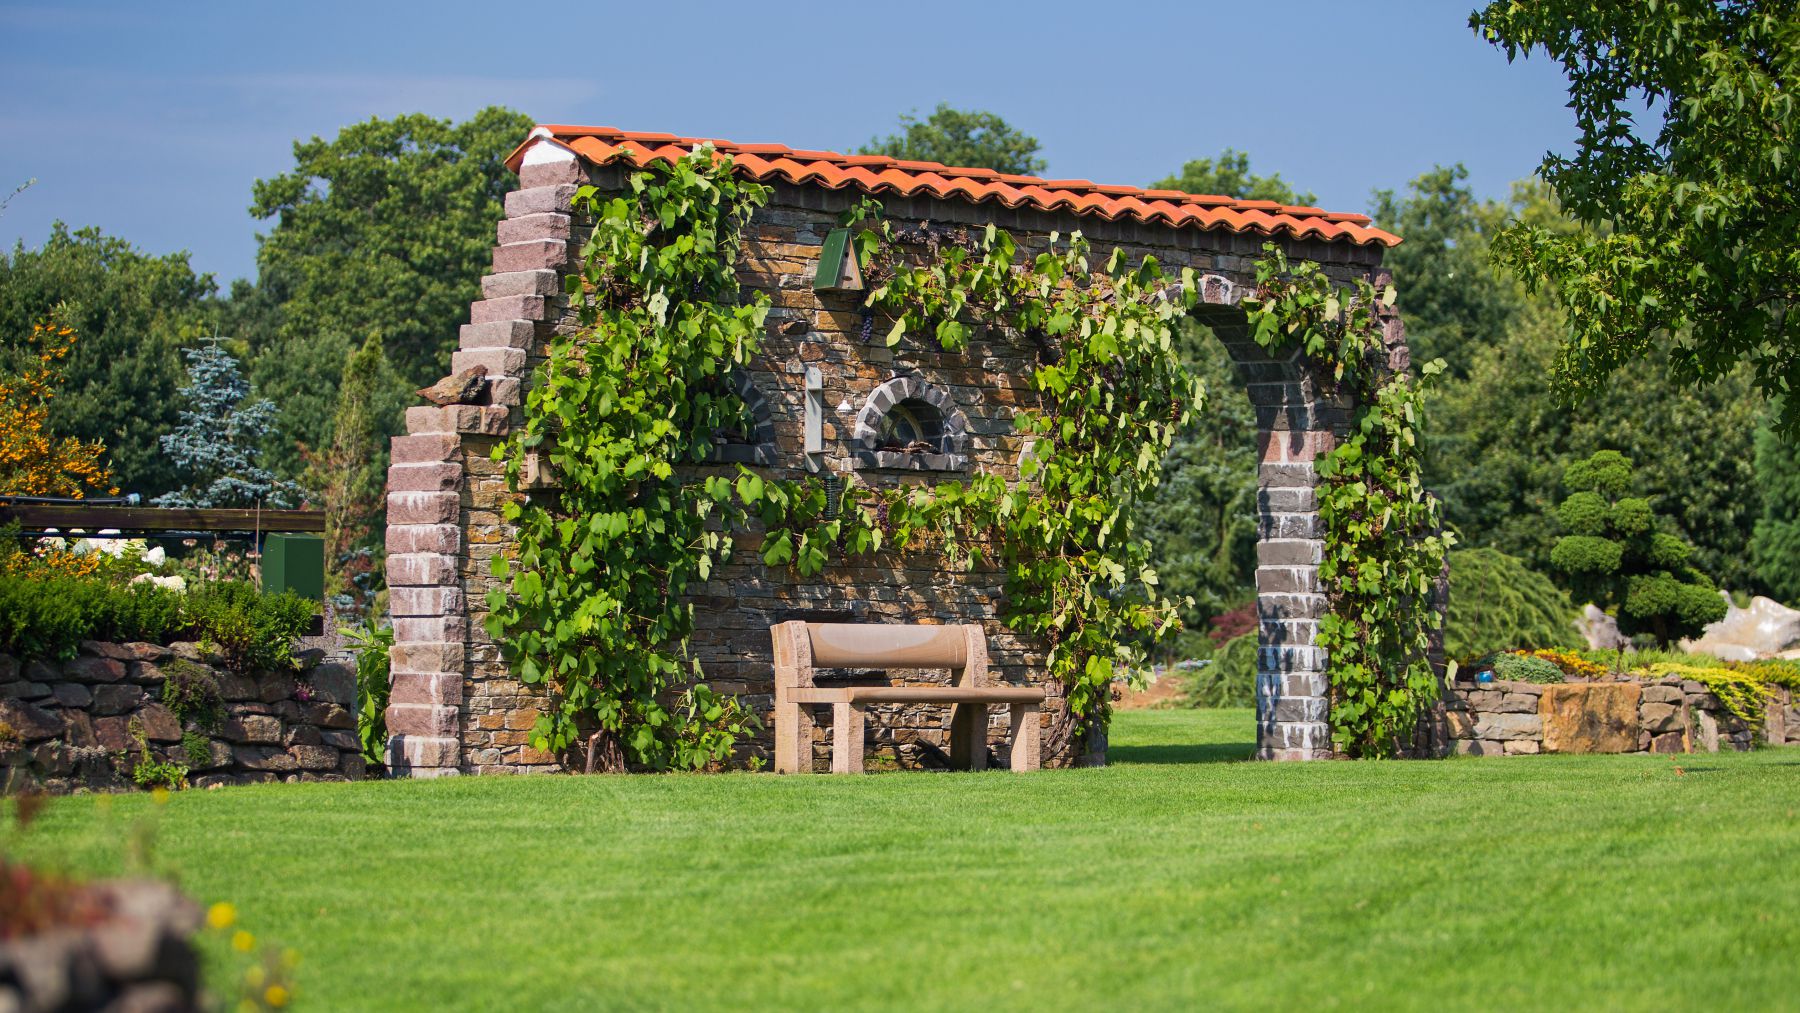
(456, 706)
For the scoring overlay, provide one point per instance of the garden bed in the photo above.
(121, 716)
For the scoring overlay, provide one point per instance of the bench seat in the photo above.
(919, 694)
(802, 647)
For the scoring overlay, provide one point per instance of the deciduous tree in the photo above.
(962, 138)
(1688, 156)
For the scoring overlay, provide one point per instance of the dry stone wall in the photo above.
(457, 707)
(73, 725)
(1670, 715)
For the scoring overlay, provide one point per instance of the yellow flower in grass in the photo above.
(275, 996)
(221, 915)
(159, 795)
(242, 941)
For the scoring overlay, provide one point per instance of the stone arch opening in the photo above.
(752, 441)
(908, 422)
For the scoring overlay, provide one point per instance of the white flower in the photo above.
(156, 556)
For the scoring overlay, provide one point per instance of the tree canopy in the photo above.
(133, 312)
(1699, 200)
(961, 138)
(1229, 175)
(384, 230)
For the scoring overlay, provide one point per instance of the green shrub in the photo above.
(1230, 680)
(371, 644)
(49, 617)
(1497, 604)
(1525, 668)
(251, 630)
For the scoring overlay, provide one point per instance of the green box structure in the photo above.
(294, 563)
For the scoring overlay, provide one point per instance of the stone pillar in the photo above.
(1294, 427)
(442, 484)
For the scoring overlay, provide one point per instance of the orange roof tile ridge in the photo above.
(881, 173)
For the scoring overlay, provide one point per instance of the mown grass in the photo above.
(1175, 878)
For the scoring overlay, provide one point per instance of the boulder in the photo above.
(1662, 717)
(92, 669)
(1764, 630)
(160, 723)
(1590, 717)
(1600, 630)
(117, 699)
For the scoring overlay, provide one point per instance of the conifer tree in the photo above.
(216, 446)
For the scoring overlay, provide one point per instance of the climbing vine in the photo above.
(1384, 544)
(624, 410)
(593, 609)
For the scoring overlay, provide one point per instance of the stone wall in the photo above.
(1670, 715)
(71, 725)
(456, 706)
(142, 957)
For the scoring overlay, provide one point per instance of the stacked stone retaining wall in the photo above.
(1670, 715)
(72, 725)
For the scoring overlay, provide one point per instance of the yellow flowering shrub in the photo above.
(33, 461)
(1571, 664)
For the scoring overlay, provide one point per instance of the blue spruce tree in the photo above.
(217, 443)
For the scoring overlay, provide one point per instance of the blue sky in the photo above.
(152, 120)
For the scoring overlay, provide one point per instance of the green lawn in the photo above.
(1177, 877)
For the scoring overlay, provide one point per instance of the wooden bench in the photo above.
(802, 647)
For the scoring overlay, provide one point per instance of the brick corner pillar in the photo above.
(1292, 687)
(443, 458)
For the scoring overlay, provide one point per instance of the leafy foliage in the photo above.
(1614, 555)
(34, 461)
(252, 630)
(217, 445)
(1384, 544)
(133, 312)
(1775, 545)
(191, 693)
(1514, 666)
(1229, 175)
(1497, 603)
(374, 681)
(1701, 207)
(345, 477)
(961, 138)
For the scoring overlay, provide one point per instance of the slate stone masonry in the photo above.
(69, 725)
(457, 707)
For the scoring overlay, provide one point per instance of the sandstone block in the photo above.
(159, 723)
(423, 507)
(1658, 693)
(440, 477)
(423, 720)
(1479, 747)
(334, 682)
(439, 538)
(1521, 747)
(421, 569)
(518, 334)
(531, 255)
(72, 694)
(428, 658)
(1595, 717)
(329, 715)
(507, 307)
(264, 758)
(314, 757)
(1661, 717)
(522, 282)
(428, 448)
(1669, 742)
(1508, 726)
(557, 197)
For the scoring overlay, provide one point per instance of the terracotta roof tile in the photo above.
(879, 174)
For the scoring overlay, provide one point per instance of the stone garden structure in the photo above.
(456, 707)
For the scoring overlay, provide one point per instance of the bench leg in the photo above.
(968, 736)
(793, 739)
(847, 738)
(1025, 747)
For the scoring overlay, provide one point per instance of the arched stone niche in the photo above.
(909, 423)
(756, 444)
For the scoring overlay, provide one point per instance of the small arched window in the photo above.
(752, 440)
(910, 424)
